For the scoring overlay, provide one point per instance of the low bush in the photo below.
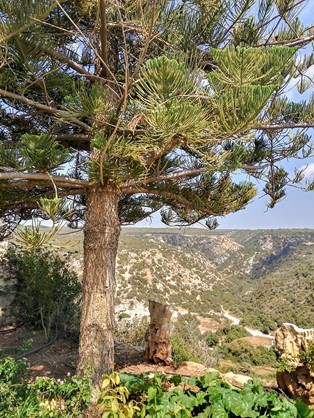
(181, 350)
(126, 395)
(131, 331)
(243, 351)
(212, 339)
(188, 344)
(46, 293)
(307, 357)
(44, 397)
(234, 332)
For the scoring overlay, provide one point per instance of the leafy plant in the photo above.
(44, 397)
(46, 293)
(307, 356)
(144, 396)
(114, 399)
(207, 396)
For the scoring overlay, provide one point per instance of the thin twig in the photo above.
(47, 109)
(90, 45)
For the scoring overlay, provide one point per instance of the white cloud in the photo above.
(308, 170)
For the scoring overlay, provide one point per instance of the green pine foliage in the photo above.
(150, 112)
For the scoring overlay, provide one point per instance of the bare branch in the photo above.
(71, 138)
(47, 109)
(173, 176)
(66, 181)
(279, 126)
(104, 36)
(294, 42)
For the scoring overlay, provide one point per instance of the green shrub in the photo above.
(212, 340)
(243, 351)
(307, 357)
(44, 397)
(232, 333)
(131, 331)
(46, 293)
(181, 350)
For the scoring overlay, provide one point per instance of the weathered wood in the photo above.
(158, 335)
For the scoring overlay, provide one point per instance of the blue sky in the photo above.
(296, 210)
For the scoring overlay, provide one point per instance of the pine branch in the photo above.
(64, 190)
(66, 181)
(174, 176)
(71, 138)
(104, 37)
(47, 109)
(89, 44)
(163, 193)
(23, 28)
(289, 9)
(290, 43)
(65, 60)
(281, 126)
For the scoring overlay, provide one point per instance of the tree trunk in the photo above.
(101, 237)
(158, 335)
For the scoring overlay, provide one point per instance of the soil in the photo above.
(56, 360)
(258, 341)
(60, 358)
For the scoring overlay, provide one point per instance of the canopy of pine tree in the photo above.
(145, 105)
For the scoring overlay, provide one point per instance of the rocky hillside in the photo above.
(264, 277)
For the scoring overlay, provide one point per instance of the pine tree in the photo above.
(112, 110)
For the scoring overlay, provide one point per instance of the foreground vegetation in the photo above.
(46, 296)
(44, 397)
(138, 396)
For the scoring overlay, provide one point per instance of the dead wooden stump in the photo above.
(158, 335)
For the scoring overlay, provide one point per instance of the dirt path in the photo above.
(236, 321)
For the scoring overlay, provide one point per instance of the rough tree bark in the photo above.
(158, 335)
(101, 237)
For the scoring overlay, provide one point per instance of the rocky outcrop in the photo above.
(238, 380)
(291, 340)
(292, 343)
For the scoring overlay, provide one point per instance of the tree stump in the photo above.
(158, 335)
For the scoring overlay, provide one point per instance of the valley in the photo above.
(262, 277)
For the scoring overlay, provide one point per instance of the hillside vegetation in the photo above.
(265, 277)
